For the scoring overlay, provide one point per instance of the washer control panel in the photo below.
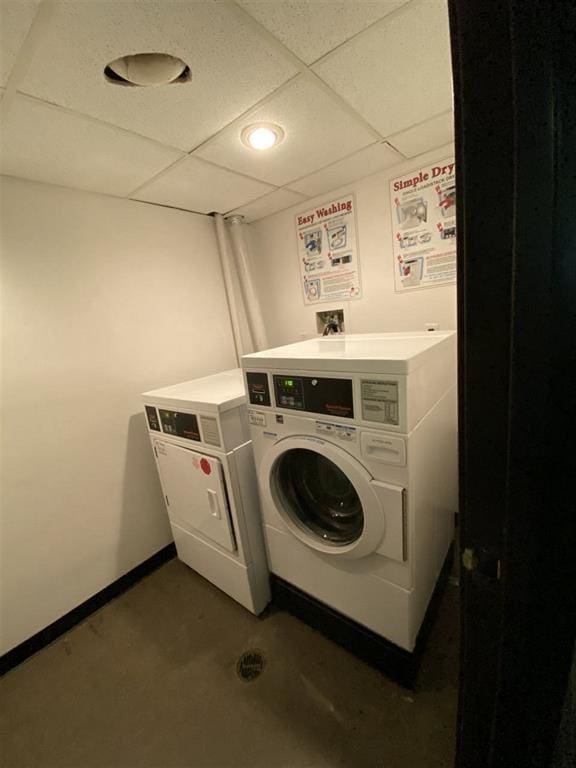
(289, 392)
(333, 397)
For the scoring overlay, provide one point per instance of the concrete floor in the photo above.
(150, 680)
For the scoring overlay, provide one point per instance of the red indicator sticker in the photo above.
(205, 466)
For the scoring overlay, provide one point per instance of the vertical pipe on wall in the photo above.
(252, 305)
(225, 263)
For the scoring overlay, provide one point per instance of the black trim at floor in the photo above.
(396, 663)
(53, 631)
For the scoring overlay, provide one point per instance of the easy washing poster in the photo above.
(328, 251)
(423, 209)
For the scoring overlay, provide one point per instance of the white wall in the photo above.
(102, 300)
(273, 245)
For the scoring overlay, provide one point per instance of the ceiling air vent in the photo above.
(145, 70)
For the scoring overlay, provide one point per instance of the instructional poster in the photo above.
(423, 208)
(328, 251)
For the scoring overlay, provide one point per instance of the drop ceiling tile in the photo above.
(429, 135)
(272, 203)
(44, 143)
(364, 163)
(232, 67)
(398, 72)
(16, 17)
(318, 132)
(311, 28)
(202, 187)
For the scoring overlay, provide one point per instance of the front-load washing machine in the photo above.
(201, 442)
(355, 441)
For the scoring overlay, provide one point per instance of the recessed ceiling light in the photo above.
(262, 135)
(146, 70)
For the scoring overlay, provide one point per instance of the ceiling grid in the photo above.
(312, 66)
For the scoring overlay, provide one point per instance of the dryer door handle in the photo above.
(213, 504)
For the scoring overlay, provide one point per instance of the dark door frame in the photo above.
(514, 66)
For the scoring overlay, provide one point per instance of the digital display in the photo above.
(289, 392)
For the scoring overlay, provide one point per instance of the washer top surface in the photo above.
(389, 352)
(219, 392)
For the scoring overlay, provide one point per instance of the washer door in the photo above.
(325, 496)
(320, 496)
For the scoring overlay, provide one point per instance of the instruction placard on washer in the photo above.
(380, 401)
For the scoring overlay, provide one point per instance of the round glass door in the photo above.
(319, 496)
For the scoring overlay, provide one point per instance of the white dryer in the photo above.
(355, 440)
(202, 447)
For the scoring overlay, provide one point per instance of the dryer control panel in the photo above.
(180, 424)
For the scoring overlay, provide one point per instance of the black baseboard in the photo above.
(50, 633)
(396, 663)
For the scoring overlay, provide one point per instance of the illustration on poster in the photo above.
(412, 213)
(312, 266)
(312, 289)
(341, 258)
(409, 241)
(447, 200)
(411, 269)
(313, 242)
(336, 236)
(446, 232)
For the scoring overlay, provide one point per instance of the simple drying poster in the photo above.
(328, 251)
(423, 208)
